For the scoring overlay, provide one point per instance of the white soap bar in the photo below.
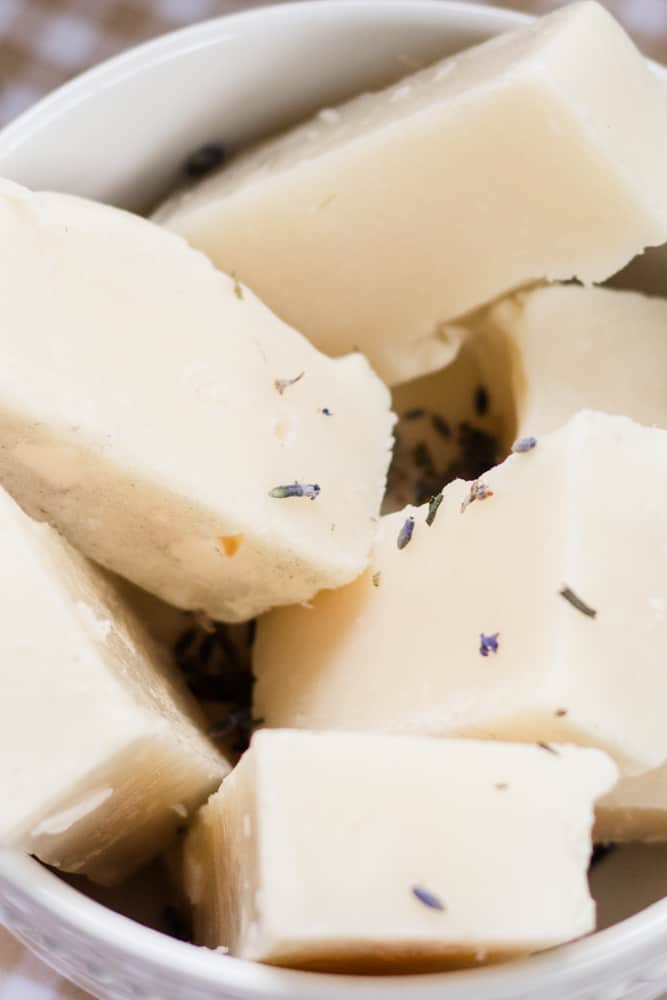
(401, 649)
(541, 153)
(410, 855)
(147, 415)
(102, 752)
(636, 809)
(451, 425)
(552, 351)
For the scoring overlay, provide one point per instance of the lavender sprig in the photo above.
(310, 490)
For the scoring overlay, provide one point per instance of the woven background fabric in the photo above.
(43, 43)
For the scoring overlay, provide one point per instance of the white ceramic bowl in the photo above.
(120, 133)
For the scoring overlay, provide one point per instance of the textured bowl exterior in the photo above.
(107, 135)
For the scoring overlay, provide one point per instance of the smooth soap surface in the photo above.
(102, 751)
(400, 649)
(335, 886)
(554, 350)
(635, 810)
(141, 416)
(375, 222)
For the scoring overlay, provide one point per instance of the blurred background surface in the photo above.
(45, 42)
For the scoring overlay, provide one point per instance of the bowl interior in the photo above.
(121, 134)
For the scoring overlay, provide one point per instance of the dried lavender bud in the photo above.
(524, 444)
(428, 898)
(481, 400)
(405, 534)
(423, 458)
(600, 852)
(251, 633)
(326, 412)
(478, 491)
(577, 602)
(237, 724)
(204, 159)
(479, 450)
(488, 643)
(185, 648)
(284, 383)
(434, 507)
(441, 425)
(310, 490)
(218, 687)
(215, 667)
(232, 721)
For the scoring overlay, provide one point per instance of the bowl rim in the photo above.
(191, 37)
(253, 981)
(635, 937)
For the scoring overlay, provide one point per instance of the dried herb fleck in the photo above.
(524, 444)
(478, 491)
(231, 543)
(405, 534)
(238, 288)
(488, 643)
(577, 602)
(310, 490)
(600, 852)
(481, 400)
(413, 414)
(428, 898)
(441, 425)
(424, 459)
(502, 786)
(237, 726)
(479, 450)
(548, 748)
(204, 159)
(433, 508)
(560, 712)
(284, 383)
(216, 667)
(376, 579)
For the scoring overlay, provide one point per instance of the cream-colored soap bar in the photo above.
(152, 405)
(552, 351)
(412, 854)
(375, 222)
(636, 809)
(465, 629)
(102, 752)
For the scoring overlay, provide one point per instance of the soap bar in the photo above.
(552, 351)
(102, 752)
(531, 613)
(159, 415)
(375, 222)
(636, 809)
(416, 854)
